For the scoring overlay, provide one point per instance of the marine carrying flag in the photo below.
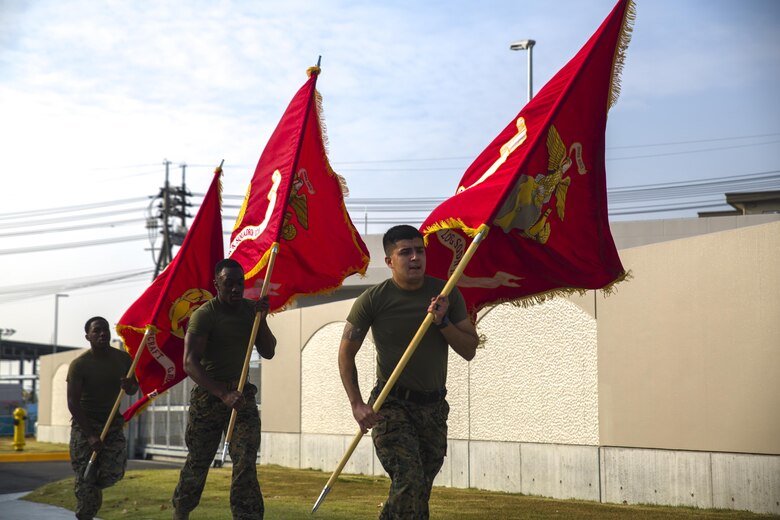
(540, 186)
(170, 300)
(296, 199)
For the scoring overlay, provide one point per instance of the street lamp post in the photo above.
(526, 45)
(56, 317)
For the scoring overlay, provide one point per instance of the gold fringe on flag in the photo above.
(450, 223)
(324, 134)
(564, 292)
(341, 180)
(629, 17)
(140, 330)
(318, 105)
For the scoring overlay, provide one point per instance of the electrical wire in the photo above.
(70, 245)
(113, 223)
(608, 148)
(71, 218)
(672, 197)
(26, 291)
(686, 152)
(69, 209)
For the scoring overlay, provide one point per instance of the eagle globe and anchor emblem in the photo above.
(179, 315)
(183, 307)
(523, 209)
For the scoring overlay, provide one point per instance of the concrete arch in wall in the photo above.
(327, 328)
(324, 405)
(60, 415)
(534, 380)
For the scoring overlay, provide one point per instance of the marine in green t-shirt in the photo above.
(226, 331)
(215, 347)
(95, 379)
(410, 430)
(388, 310)
(99, 375)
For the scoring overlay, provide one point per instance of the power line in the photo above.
(69, 209)
(622, 201)
(695, 189)
(471, 157)
(21, 292)
(649, 145)
(696, 141)
(71, 282)
(685, 152)
(69, 245)
(756, 175)
(72, 218)
(113, 223)
(678, 206)
(126, 167)
(608, 159)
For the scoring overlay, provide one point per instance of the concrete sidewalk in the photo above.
(13, 508)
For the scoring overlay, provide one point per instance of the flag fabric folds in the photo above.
(540, 186)
(170, 300)
(296, 200)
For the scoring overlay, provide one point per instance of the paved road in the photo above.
(19, 478)
(16, 477)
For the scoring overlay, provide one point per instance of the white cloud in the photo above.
(88, 89)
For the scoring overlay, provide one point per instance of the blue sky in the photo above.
(94, 95)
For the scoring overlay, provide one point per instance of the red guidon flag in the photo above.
(295, 199)
(166, 306)
(540, 186)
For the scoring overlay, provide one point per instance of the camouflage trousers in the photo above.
(107, 470)
(208, 419)
(411, 443)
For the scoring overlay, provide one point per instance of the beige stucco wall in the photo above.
(689, 350)
(684, 356)
(281, 386)
(280, 379)
(325, 408)
(533, 381)
(53, 414)
(536, 379)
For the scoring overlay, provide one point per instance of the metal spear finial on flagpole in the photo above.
(448, 287)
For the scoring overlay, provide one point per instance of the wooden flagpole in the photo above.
(267, 280)
(249, 348)
(118, 401)
(481, 233)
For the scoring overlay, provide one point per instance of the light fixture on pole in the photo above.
(526, 45)
(56, 317)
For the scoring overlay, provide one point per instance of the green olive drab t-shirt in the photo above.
(228, 331)
(100, 378)
(395, 315)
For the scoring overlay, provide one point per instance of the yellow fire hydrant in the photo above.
(19, 416)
